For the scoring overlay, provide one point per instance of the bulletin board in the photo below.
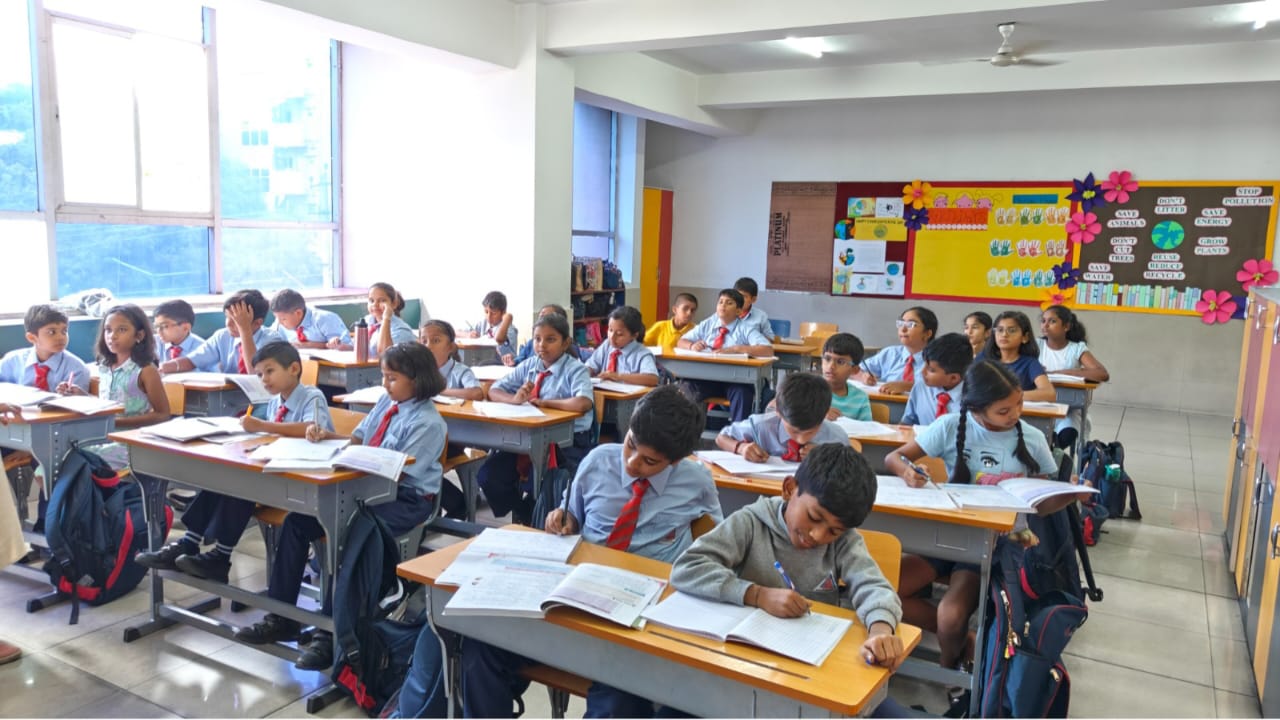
(1170, 242)
(869, 252)
(799, 252)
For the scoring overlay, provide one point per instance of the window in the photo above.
(133, 260)
(594, 187)
(18, 186)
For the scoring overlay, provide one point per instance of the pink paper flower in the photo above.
(1083, 227)
(1118, 185)
(1257, 272)
(1215, 307)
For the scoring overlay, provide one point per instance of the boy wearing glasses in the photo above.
(841, 354)
(173, 321)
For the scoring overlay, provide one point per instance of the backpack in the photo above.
(1102, 466)
(373, 648)
(94, 526)
(555, 481)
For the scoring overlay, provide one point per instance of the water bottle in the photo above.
(360, 331)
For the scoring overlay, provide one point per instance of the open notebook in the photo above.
(1017, 494)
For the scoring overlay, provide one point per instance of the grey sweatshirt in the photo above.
(739, 552)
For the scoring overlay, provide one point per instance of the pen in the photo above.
(249, 410)
(786, 579)
(920, 469)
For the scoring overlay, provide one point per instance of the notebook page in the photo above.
(299, 449)
(372, 461)
(808, 638)
(540, 545)
(738, 465)
(986, 497)
(252, 387)
(366, 396)
(617, 386)
(614, 594)
(507, 410)
(510, 589)
(491, 372)
(864, 428)
(697, 615)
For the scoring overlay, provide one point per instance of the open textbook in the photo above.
(685, 352)
(1017, 494)
(194, 428)
(809, 638)
(382, 462)
(24, 395)
(735, 464)
(251, 385)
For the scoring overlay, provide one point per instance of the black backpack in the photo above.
(95, 525)
(550, 495)
(1102, 467)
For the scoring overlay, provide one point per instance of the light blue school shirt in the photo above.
(635, 358)
(922, 403)
(890, 363)
(318, 325)
(19, 366)
(400, 332)
(740, 333)
(568, 379)
(416, 430)
(760, 319)
(766, 430)
(989, 455)
(458, 376)
(677, 496)
(513, 337)
(301, 407)
(186, 347)
(221, 352)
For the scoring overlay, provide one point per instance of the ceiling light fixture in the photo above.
(811, 46)
(1261, 13)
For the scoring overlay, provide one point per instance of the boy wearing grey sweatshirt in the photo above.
(809, 531)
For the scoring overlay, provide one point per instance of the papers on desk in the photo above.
(299, 449)
(447, 400)
(15, 394)
(188, 429)
(477, 342)
(491, 373)
(507, 410)
(382, 462)
(809, 638)
(791, 341)
(893, 491)
(83, 404)
(1060, 377)
(616, 386)
(1056, 408)
(252, 387)
(196, 378)
(1017, 494)
(737, 465)
(336, 357)
(365, 396)
(869, 389)
(655, 349)
(684, 352)
(537, 545)
(864, 428)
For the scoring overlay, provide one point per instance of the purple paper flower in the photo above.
(916, 219)
(1065, 276)
(1088, 193)
(1239, 300)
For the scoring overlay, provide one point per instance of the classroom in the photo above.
(400, 162)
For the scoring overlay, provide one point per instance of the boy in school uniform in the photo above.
(172, 322)
(497, 324)
(231, 349)
(798, 423)
(725, 332)
(941, 383)
(667, 332)
(307, 327)
(223, 518)
(841, 354)
(753, 314)
(642, 497)
(46, 364)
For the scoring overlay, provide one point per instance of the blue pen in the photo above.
(786, 579)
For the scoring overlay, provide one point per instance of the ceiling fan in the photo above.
(1005, 55)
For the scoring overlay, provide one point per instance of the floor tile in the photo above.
(1234, 705)
(345, 708)
(1165, 495)
(40, 686)
(1217, 579)
(1209, 425)
(1145, 602)
(1140, 463)
(120, 704)
(1105, 432)
(1155, 420)
(1211, 448)
(910, 691)
(1104, 413)
(1138, 534)
(1185, 516)
(1155, 442)
(1232, 669)
(1153, 695)
(1224, 617)
(1149, 566)
(1138, 645)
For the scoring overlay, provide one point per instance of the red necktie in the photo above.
(793, 451)
(302, 337)
(909, 372)
(239, 351)
(719, 341)
(174, 352)
(613, 361)
(281, 413)
(373, 330)
(376, 440)
(537, 384)
(943, 400)
(42, 377)
(620, 537)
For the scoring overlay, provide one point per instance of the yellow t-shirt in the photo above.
(665, 334)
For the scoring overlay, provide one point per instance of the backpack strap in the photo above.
(1077, 534)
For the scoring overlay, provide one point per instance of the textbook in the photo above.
(1018, 494)
(1056, 408)
(735, 464)
(15, 394)
(507, 410)
(194, 428)
(684, 352)
(83, 404)
(616, 386)
(809, 638)
(365, 396)
(525, 587)
(864, 428)
(490, 373)
(382, 462)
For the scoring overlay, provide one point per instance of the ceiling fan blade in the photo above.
(1032, 62)
(929, 63)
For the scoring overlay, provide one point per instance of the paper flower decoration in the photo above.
(1083, 227)
(916, 219)
(1239, 300)
(1215, 307)
(1257, 272)
(1057, 296)
(1088, 193)
(917, 195)
(1065, 276)
(1118, 185)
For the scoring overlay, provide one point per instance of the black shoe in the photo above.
(180, 501)
(319, 653)
(165, 557)
(271, 628)
(208, 565)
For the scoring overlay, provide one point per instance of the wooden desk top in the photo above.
(331, 362)
(713, 359)
(464, 341)
(42, 416)
(808, 347)
(842, 684)
(616, 395)
(1081, 384)
(904, 435)
(468, 411)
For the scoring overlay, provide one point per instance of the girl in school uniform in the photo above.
(459, 382)
(385, 326)
(404, 419)
(1013, 345)
(624, 358)
(551, 379)
(1063, 350)
(977, 327)
(127, 373)
(896, 367)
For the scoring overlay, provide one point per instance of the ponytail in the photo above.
(1023, 455)
(960, 472)
(1076, 333)
(397, 300)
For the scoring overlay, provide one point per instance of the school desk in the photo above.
(212, 399)
(876, 448)
(348, 374)
(616, 407)
(961, 535)
(1077, 395)
(477, 351)
(698, 675)
(793, 357)
(742, 371)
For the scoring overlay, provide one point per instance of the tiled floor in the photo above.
(1167, 640)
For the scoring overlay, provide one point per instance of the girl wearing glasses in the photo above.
(895, 368)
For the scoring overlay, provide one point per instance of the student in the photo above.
(809, 531)
(751, 313)
(459, 382)
(983, 443)
(223, 518)
(497, 324)
(404, 419)
(307, 327)
(1063, 350)
(897, 365)
(46, 364)
(649, 475)
(941, 380)
(385, 326)
(230, 349)
(667, 332)
(173, 321)
(12, 546)
(977, 327)
(841, 354)
(1013, 345)
(724, 332)
(526, 350)
(126, 368)
(624, 358)
(799, 423)
(552, 379)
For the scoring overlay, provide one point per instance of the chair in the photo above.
(936, 467)
(818, 329)
(856, 444)
(880, 412)
(886, 549)
(310, 372)
(703, 525)
(345, 421)
(177, 398)
(781, 328)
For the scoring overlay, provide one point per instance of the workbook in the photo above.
(83, 404)
(809, 638)
(194, 428)
(1056, 408)
(382, 462)
(14, 394)
(615, 386)
(735, 464)
(287, 448)
(1017, 494)
(252, 387)
(864, 428)
(507, 410)
(685, 352)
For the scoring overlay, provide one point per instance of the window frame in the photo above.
(612, 233)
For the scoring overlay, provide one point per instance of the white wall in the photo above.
(1200, 133)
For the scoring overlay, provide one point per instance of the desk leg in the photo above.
(539, 454)
(467, 476)
(622, 417)
(450, 647)
(979, 649)
(755, 402)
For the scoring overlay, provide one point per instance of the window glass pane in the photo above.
(275, 118)
(592, 168)
(180, 19)
(26, 246)
(271, 258)
(133, 261)
(17, 111)
(173, 119)
(592, 246)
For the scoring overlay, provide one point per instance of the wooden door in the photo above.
(655, 255)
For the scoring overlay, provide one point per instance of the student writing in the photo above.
(798, 424)
(895, 367)
(624, 358)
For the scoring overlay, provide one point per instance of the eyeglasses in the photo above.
(1001, 330)
(163, 326)
(906, 324)
(837, 361)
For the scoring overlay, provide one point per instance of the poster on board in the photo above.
(869, 252)
(799, 239)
